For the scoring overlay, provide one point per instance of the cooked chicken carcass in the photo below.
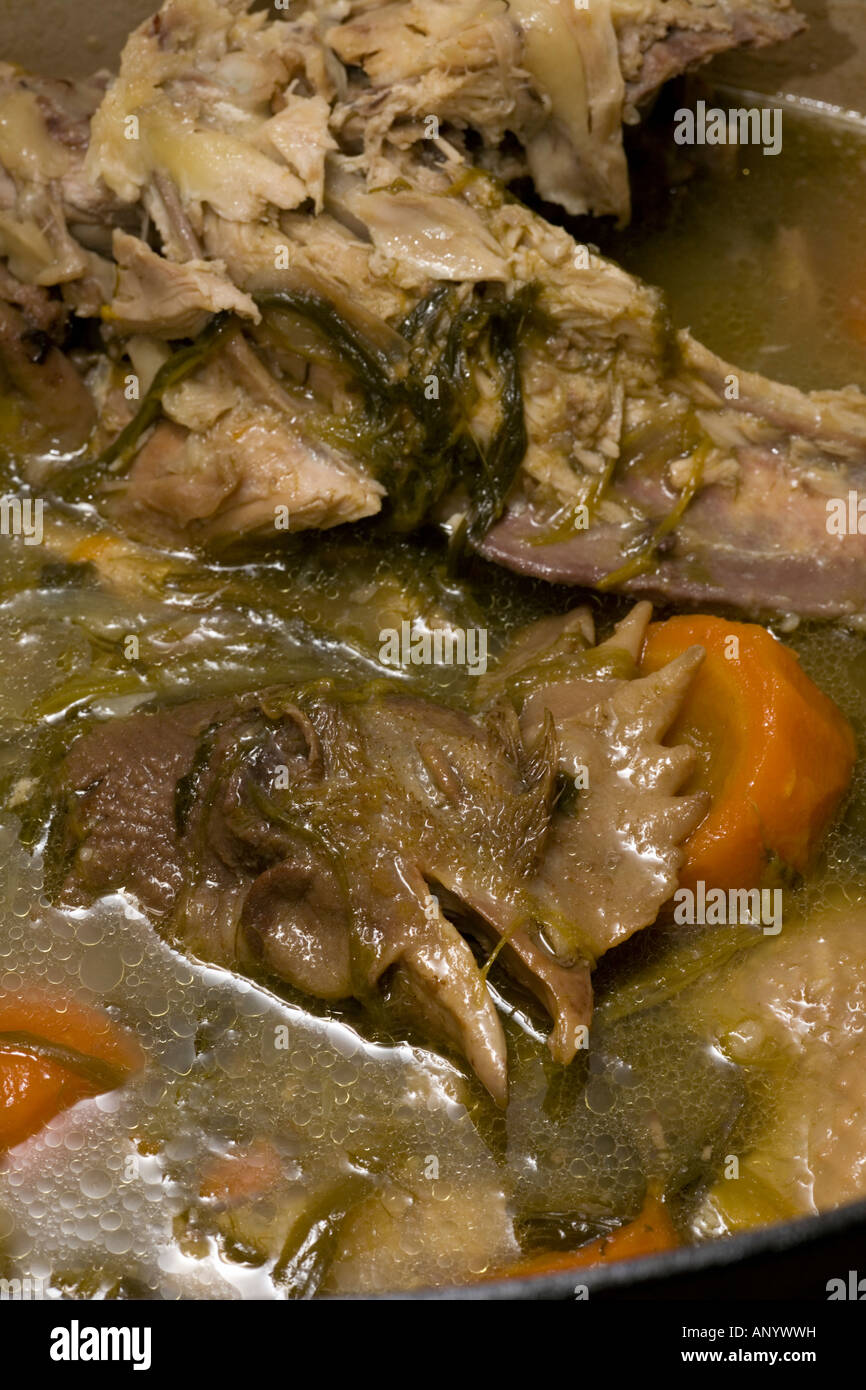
(633, 457)
(562, 78)
(428, 340)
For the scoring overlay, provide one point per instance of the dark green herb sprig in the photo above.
(417, 441)
(79, 484)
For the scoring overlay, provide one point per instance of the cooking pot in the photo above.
(790, 1260)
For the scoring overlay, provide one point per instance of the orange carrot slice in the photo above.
(54, 1053)
(774, 752)
(650, 1234)
(243, 1174)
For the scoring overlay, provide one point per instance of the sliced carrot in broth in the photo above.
(774, 752)
(651, 1233)
(243, 1174)
(54, 1053)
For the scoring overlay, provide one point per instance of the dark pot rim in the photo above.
(803, 1241)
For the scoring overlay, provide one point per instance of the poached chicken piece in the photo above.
(339, 844)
